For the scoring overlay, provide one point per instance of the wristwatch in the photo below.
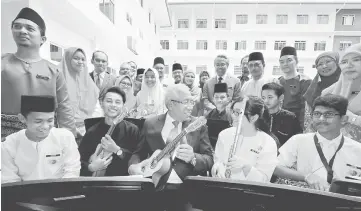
(119, 152)
(194, 161)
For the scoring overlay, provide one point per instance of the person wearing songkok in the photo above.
(133, 69)
(203, 77)
(221, 64)
(256, 65)
(255, 156)
(40, 151)
(159, 65)
(194, 154)
(125, 69)
(349, 86)
(245, 71)
(25, 72)
(120, 144)
(125, 83)
(189, 81)
(284, 124)
(177, 73)
(84, 93)
(221, 99)
(324, 155)
(102, 79)
(328, 72)
(294, 83)
(138, 81)
(150, 99)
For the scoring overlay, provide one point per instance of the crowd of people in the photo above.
(291, 127)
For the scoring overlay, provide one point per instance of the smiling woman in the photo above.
(83, 92)
(349, 86)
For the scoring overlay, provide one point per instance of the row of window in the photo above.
(263, 19)
(242, 45)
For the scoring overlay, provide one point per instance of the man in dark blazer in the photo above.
(193, 156)
(102, 79)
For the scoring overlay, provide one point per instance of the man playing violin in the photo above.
(100, 151)
(194, 154)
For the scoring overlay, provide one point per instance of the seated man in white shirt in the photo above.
(40, 151)
(324, 155)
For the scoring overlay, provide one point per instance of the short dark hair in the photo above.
(116, 90)
(99, 52)
(278, 89)
(336, 102)
(234, 103)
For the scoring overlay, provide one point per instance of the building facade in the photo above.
(347, 28)
(203, 29)
(127, 30)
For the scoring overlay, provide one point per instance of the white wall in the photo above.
(80, 23)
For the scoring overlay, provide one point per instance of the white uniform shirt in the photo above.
(254, 87)
(301, 150)
(168, 126)
(260, 151)
(56, 156)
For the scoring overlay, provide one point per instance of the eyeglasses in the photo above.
(221, 65)
(185, 102)
(353, 61)
(256, 65)
(125, 84)
(327, 115)
(324, 64)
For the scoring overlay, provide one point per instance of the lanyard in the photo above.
(327, 165)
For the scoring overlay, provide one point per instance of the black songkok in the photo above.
(37, 103)
(256, 56)
(158, 60)
(140, 71)
(31, 15)
(288, 50)
(177, 66)
(221, 87)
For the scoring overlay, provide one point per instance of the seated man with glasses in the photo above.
(194, 154)
(221, 100)
(325, 155)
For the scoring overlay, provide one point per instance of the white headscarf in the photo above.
(149, 94)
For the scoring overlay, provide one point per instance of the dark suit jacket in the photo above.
(108, 81)
(151, 140)
(234, 88)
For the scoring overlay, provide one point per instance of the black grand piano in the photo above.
(213, 194)
(84, 193)
(204, 193)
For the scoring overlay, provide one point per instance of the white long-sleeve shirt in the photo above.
(260, 151)
(56, 156)
(254, 87)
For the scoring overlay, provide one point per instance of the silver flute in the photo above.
(233, 149)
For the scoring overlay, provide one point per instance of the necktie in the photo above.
(97, 80)
(173, 133)
(220, 80)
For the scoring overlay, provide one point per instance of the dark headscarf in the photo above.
(316, 86)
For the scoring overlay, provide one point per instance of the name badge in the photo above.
(46, 78)
(49, 156)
